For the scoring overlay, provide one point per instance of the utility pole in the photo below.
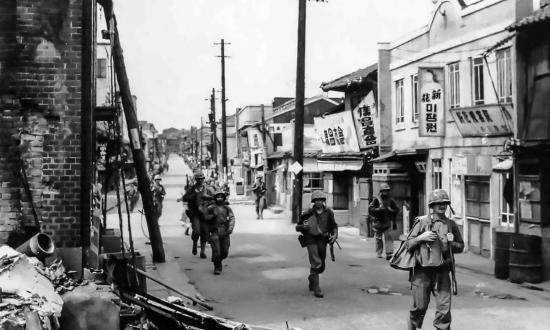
(224, 123)
(299, 112)
(213, 127)
(264, 134)
(144, 184)
(201, 140)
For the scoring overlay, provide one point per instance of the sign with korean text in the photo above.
(337, 133)
(483, 120)
(431, 101)
(365, 117)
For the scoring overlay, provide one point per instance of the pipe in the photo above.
(40, 246)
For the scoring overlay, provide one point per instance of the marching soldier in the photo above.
(441, 237)
(383, 210)
(221, 222)
(259, 190)
(198, 196)
(158, 194)
(319, 229)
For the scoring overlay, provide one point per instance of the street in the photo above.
(264, 281)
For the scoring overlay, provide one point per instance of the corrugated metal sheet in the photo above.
(351, 78)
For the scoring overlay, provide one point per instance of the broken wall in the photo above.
(40, 116)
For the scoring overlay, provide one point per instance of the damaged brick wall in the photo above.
(40, 90)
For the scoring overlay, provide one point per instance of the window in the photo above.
(101, 68)
(479, 96)
(414, 89)
(504, 75)
(436, 174)
(507, 200)
(313, 181)
(477, 197)
(278, 139)
(399, 104)
(454, 85)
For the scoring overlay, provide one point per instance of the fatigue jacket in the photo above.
(321, 225)
(221, 219)
(198, 198)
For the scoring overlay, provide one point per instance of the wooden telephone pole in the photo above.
(144, 185)
(299, 112)
(224, 121)
(213, 127)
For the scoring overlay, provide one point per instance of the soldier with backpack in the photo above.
(318, 229)
(221, 222)
(382, 211)
(433, 240)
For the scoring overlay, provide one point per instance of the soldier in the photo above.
(158, 194)
(259, 190)
(441, 237)
(383, 210)
(318, 228)
(221, 222)
(198, 196)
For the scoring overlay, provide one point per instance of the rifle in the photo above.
(332, 250)
(454, 285)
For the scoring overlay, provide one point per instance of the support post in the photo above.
(144, 185)
(299, 112)
(224, 122)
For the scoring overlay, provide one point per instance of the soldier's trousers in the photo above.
(199, 229)
(317, 252)
(383, 238)
(425, 282)
(220, 247)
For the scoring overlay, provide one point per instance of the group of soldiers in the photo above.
(211, 219)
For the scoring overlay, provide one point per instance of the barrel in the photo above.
(502, 254)
(525, 259)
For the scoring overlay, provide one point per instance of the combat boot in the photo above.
(316, 288)
(203, 254)
(310, 282)
(194, 251)
(218, 268)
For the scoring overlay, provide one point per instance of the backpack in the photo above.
(377, 220)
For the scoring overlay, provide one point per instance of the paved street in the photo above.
(264, 279)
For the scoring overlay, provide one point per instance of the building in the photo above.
(349, 136)
(448, 95)
(531, 149)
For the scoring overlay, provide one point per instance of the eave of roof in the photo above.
(540, 16)
(355, 77)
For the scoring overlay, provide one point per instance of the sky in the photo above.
(171, 56)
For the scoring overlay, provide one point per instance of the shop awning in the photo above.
(339, 165)
(278, 155)
(399, 153)
(503, 166)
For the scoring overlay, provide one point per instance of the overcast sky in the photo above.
(171, 57)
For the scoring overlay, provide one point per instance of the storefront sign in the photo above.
(337, 133)
(431, 101)
(484, 120)
(364, 118)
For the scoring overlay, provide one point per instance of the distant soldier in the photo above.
(259, 190)
(319, 229)
(158, 194)
(441, 237)
(221, 222)
(383, 211)
(132, 193)
(198, 196)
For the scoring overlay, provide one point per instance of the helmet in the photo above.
(384, 186)
(317, 194)
(197, 174)
(157, 177)
(438, 196)
(217, 193)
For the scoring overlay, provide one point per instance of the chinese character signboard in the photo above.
(337, 133)
(483, 120)
(364, 118)
(431, 87)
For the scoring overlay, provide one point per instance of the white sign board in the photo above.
(431, 105)
(295, 168)
(337, 133)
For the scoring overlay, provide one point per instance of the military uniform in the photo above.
(317, 227)
(198, 197)
(158, 194)
(384, 211)
(436, 280)
(221, 222)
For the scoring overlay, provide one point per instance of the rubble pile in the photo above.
(60, 277)
(27, 293)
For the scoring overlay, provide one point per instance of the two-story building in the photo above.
(448, 95)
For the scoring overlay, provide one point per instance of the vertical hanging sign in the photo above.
(431, 99)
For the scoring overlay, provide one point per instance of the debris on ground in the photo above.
(384, 290)
(26, 291)
(481, 291)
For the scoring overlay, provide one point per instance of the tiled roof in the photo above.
(350, 78)
(539, 16)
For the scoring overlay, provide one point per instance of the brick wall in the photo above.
(40, 79)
